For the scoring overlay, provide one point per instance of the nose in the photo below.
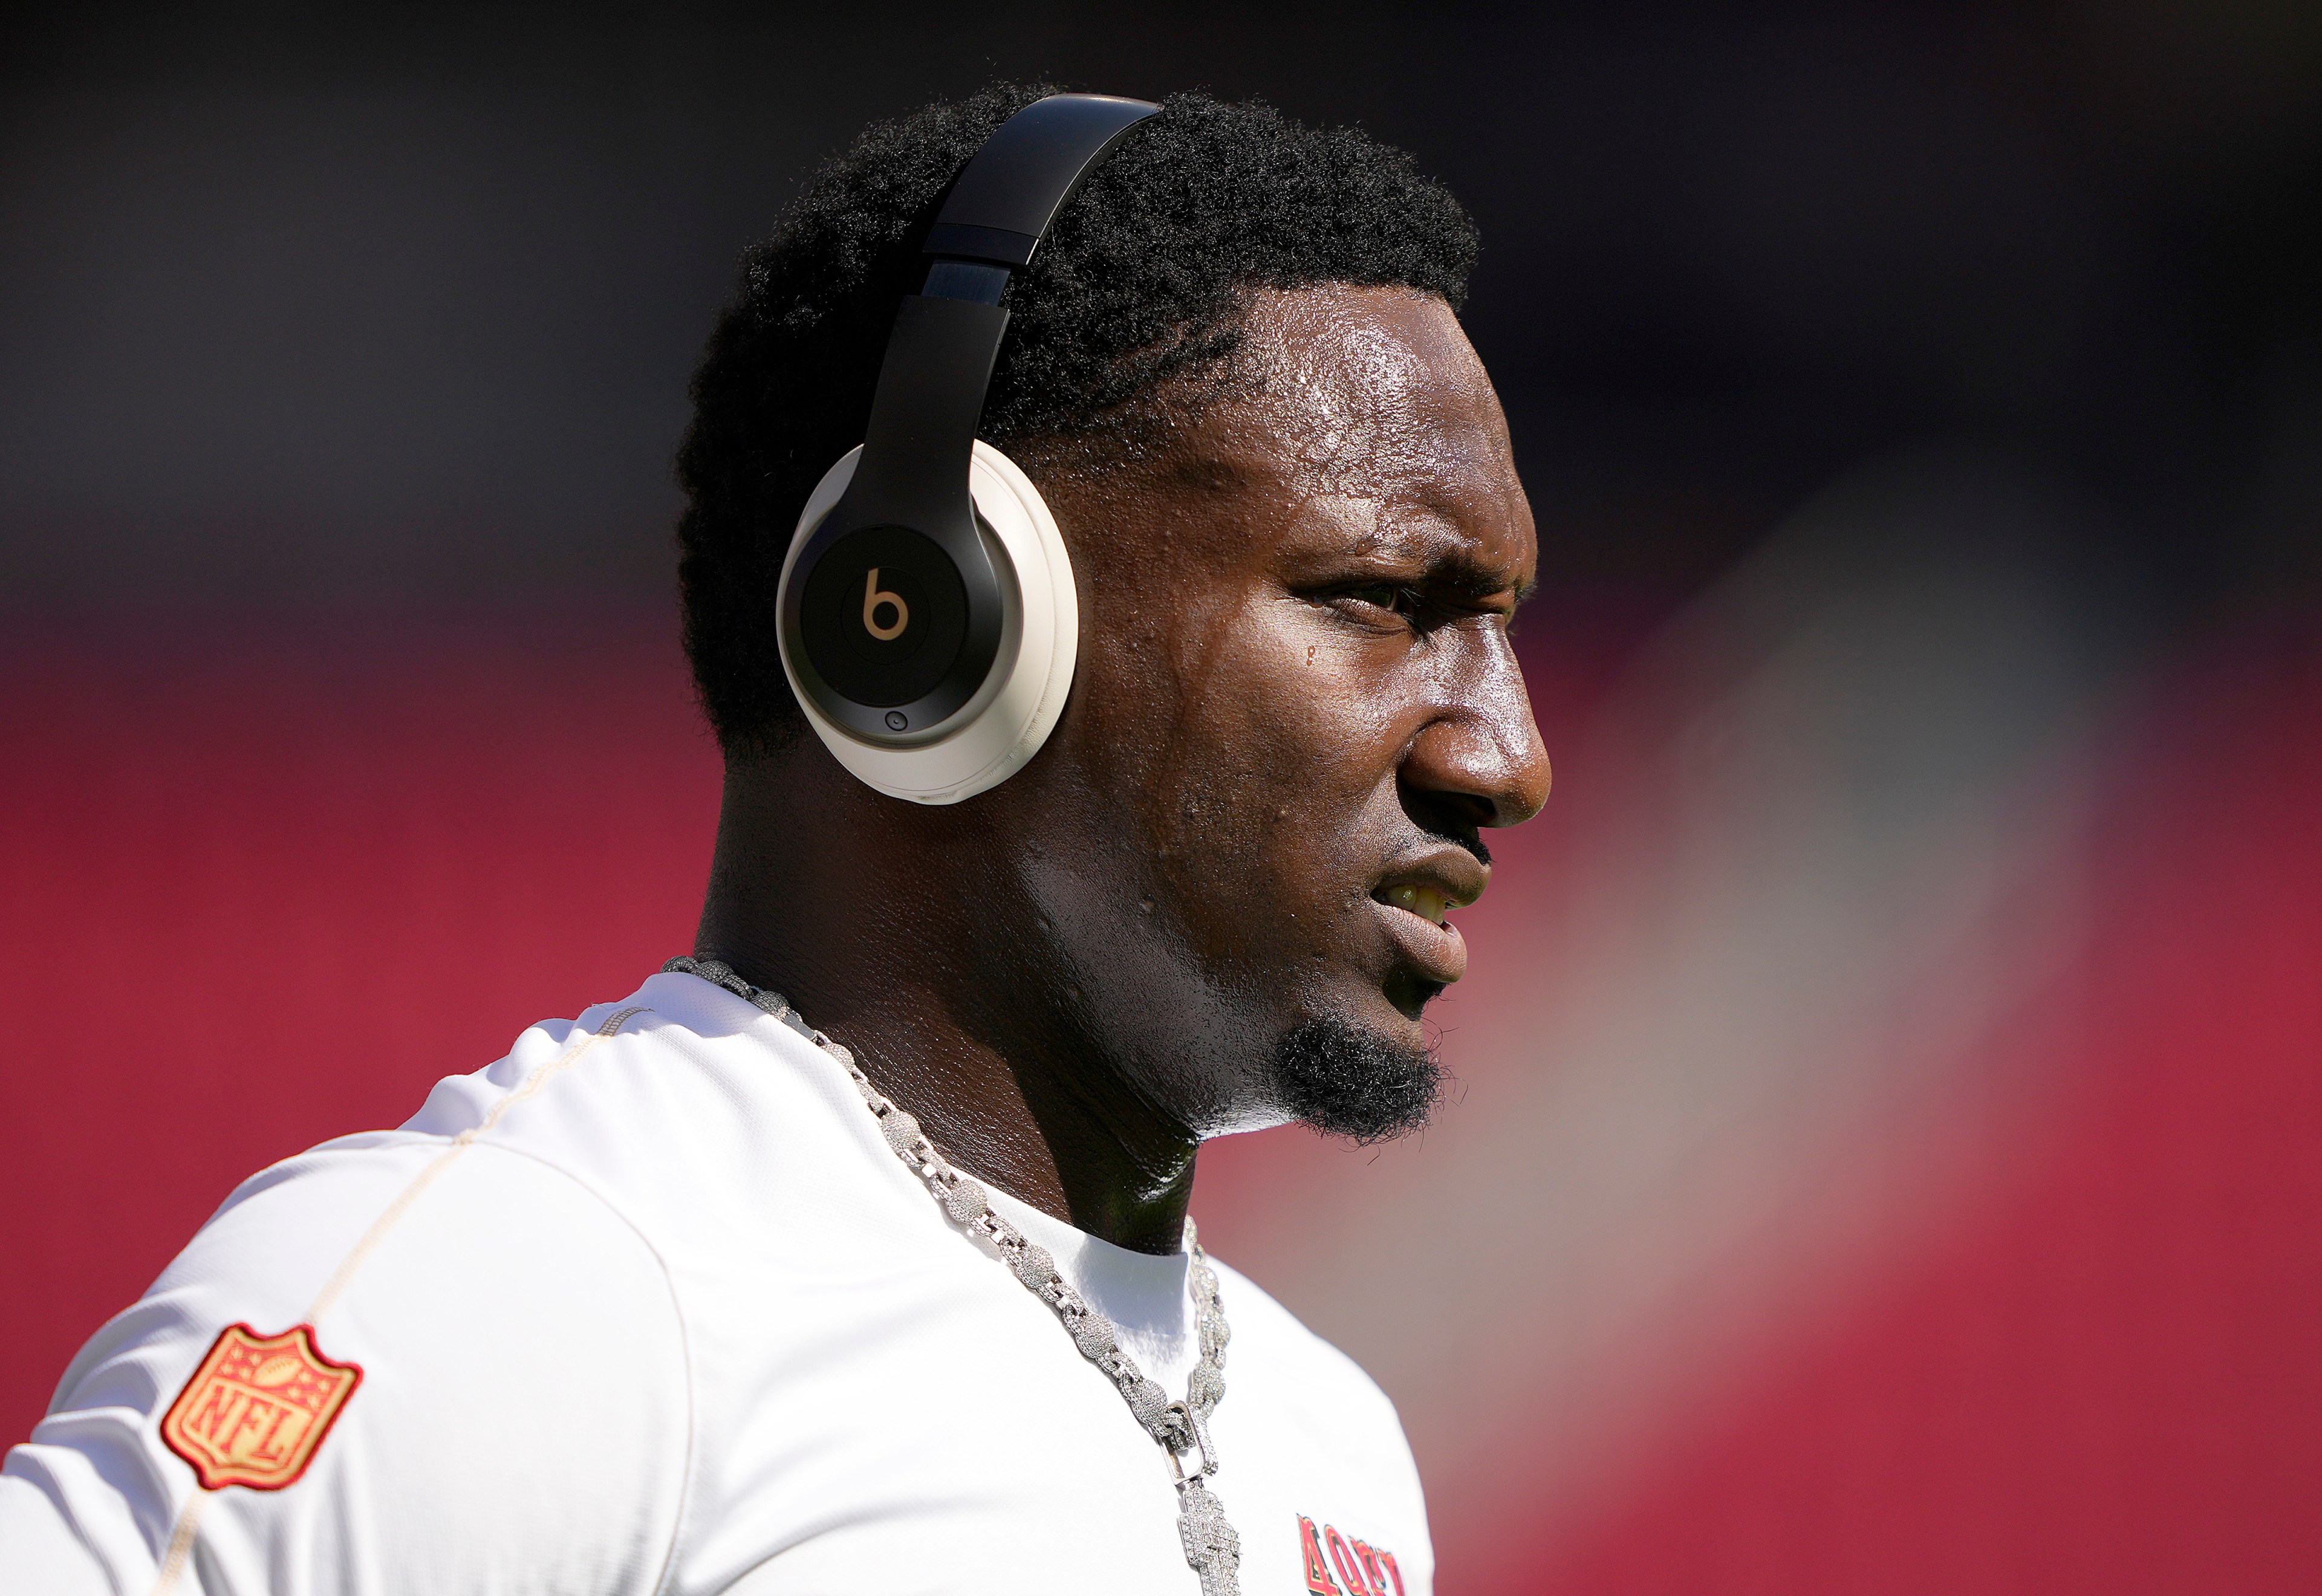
(1480, 754)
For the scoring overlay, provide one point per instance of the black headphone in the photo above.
(927, 614)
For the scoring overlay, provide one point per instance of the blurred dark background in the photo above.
(305, 305)
(1887, 1161)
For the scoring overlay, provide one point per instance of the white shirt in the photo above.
(648, 1306)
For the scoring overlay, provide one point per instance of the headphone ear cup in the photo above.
(1010, 716)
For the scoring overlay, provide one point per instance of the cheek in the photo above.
(1313, 701)
(1284, 757)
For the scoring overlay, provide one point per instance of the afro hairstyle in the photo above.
(1138, 284)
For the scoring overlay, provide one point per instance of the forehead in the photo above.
(1372, 401)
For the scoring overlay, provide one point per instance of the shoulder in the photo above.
(652, 1102)
(535, 1203)
(489, 1352)
(1334, 1391)
(1328, 1460)
(1259, 1320)
(513, 1346)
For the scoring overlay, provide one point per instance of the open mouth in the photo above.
(1429, 903)
(1415, 901)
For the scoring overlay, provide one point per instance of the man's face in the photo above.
(1296, 706)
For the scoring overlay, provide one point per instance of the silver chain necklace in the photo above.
(1213, 1549)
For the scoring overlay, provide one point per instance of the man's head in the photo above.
(1235, 373)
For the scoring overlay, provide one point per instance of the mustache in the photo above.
(1460, 836)
(1440, 817)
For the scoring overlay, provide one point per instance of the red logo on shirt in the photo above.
(1363, 1569)
(257, 1409)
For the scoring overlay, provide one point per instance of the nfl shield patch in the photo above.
(257, 1409)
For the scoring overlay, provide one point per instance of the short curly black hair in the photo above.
(1138, 284)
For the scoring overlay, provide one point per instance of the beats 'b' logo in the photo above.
(875, 599)
(883, 616)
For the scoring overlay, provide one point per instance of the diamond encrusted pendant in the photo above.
(1213, 1549)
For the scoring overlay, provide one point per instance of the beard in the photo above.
(1346, 1081)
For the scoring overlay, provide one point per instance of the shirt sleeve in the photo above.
(514, 1412)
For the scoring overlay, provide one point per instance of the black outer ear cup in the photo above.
(906, 507)
(1017, 698)
(885, 616)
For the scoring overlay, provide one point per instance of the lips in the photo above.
(1413, 901)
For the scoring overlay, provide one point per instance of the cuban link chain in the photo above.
(1213, 1549)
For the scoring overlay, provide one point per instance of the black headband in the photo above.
(940, 357)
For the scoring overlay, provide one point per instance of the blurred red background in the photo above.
(282, 883)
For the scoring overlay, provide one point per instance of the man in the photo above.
(843, 1288)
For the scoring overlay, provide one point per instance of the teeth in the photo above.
(1425, 902)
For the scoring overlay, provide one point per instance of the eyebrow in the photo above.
(1452, 563)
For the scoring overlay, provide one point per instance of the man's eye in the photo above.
(1384, 595)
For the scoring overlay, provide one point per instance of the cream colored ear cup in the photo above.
(1003, 725)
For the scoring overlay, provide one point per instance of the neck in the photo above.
(941, 989)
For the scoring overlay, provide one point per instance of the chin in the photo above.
(1361, 1081)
